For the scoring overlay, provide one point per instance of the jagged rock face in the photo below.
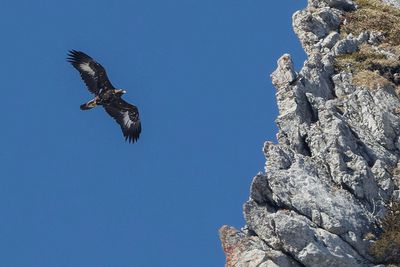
(327, 179)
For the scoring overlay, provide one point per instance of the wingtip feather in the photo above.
(133, 135)
(75, 56)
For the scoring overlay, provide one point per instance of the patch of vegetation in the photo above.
(370, 62)
(387, 248)
(376, 66)
(371, 79)
(372, 15)
(396, 175)
(365, 58)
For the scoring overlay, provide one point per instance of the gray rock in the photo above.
(395, 3)
(245, 250)
(285, 73)
(311, 27)
(327, 179)
(300, 238)
(342, 4)
(346, 5)
(329, 41)
(346, 46)
(350, 44)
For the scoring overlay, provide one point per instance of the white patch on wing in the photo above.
(85, 67)
(127, 121)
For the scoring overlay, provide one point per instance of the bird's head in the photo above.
(120, 92)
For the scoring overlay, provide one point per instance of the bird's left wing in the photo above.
(127, 116)
(92, 73)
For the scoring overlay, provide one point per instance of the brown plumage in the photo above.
(97, 82)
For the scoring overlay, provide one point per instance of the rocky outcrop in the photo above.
(327, 179)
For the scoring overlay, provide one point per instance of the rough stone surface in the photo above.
(395, 3)
(243, 249)
(326, 181)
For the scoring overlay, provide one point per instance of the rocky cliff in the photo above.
(329, 178)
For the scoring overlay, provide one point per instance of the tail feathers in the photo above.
(89, 105)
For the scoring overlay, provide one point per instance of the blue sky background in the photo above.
(72, 192)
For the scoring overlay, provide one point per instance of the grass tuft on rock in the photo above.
(371, 79)
(373, 64)
(387, 248)
(372, 15)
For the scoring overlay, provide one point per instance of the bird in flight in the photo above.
(106, 95)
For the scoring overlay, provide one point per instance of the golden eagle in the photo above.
(96, 80)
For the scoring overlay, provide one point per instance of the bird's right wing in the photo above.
(127, 116)
(92, 73)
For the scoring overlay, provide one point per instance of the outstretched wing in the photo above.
(92, 73)
(127, 116)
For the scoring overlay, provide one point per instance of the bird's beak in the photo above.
(120, 91)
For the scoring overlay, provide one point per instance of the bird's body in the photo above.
(106, 97)
(96, 80)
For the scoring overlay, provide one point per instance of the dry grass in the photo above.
(365, 58)
(387, 248)
(395, 49)
(374, 70)
(371, 79)
(371, 66)
(372, 15)
(396, 174)
(397, 91)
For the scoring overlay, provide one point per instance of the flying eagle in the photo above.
(96, 80)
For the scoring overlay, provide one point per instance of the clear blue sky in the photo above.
(72, 192)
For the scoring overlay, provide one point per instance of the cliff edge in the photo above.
(330, 177)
